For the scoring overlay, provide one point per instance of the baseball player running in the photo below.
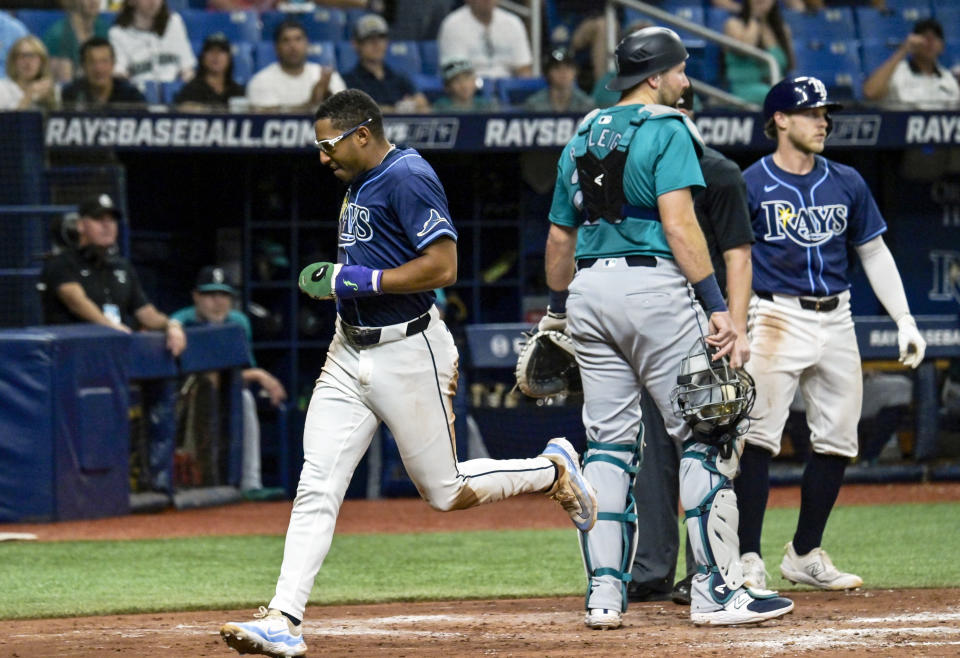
(807, 211)
(622, 246)
(392, 359)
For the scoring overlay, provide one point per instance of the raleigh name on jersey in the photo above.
(805, 224)
(389, 215)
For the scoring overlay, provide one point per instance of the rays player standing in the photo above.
(392, 359)
(806, 211)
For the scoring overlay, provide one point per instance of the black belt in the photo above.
(636, 260)
(367, 336)
(821, 305)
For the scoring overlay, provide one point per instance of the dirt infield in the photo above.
(888, 622)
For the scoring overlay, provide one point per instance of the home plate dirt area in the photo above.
(915, 622)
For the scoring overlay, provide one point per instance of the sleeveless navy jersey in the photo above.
(805, 224)
(389, 215)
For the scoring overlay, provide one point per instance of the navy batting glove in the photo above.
(356, 281)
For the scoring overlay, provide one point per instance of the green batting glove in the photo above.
(317, 280)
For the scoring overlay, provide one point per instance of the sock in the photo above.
(752, 486)
(293, 620)
(818, 492)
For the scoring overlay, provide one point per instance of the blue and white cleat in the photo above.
(271, 634)
(571, 489)
(714, 604)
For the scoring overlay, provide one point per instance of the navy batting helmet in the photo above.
(797, 93)
(644, 53)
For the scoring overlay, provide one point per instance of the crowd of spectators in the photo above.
(468, 47)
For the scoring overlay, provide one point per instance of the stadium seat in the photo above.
(429, 57)
(38, 21)
(353, 15)
(951, 56)
(894, 26)
(242, 62)
(178, 5)
(837, 63)
(827, 25)
(170, 89)
(876, 52)
(686, 9)
(907, 5)
(949, 18)
(235, 25)
(151, 91)
(514, 91)
(321, 24)
(430, 86)
(559, 27)
(404, 57)
(346, 56)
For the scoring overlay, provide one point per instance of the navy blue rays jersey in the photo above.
(804, 225)
(389, 215)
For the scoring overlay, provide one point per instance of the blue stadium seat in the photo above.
(559, 26)
(429, 57)
(951, 56)
(353, 15)
(178, 5)
(941, 5)
(264, 54)
(513, 91)
(876, 52)
(321, 52)
(826, 25)
(170, 89)
(430, 86)
(235, 25)
(691, 10)
(949, 18)
(38, 21)
(151, 91)
(894, 25)
(346, 56)
(902, 5)
(404, 57)
(321, 24)
(837, 63)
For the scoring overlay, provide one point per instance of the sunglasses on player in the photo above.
(328, 145)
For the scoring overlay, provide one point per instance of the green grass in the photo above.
(890, 546)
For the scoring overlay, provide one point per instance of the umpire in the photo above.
(723, 216)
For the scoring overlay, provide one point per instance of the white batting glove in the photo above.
(912, 344)
(553, 322)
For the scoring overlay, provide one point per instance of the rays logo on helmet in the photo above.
(432, 222)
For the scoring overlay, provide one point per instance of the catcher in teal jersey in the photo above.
(625, 245)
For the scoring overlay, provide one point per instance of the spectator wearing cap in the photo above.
(64, 37)
(98, 86)
(392, 90)
(460, 83)
(93, 283)
(561, 93)
(494, 40)
(213, 304)
(151, 43)
(213, 86)
(292, 83)
(912, 75)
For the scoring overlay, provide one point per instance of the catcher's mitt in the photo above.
(547, 365)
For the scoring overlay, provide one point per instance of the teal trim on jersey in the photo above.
(663, 158)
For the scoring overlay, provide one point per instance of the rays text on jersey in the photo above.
(808, 226)
(354, 225)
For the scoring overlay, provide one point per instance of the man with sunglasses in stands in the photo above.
(392, 359)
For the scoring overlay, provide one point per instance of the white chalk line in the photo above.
(916, 617)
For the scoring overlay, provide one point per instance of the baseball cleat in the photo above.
(571, 489)
(816, 569)
(714, 604)
(754, 571)
(271, 634)
(603, 619)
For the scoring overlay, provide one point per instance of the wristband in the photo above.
(708, 294)
(558, 301)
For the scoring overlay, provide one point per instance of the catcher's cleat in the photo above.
(603, 619)
(754, 571)
(571, 489)
(816, 569)
(270, 634)
(714, 604)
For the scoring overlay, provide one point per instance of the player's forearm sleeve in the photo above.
(884, 277)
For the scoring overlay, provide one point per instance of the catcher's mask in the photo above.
(711, 396)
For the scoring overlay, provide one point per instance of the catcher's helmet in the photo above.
(644, 53)
(711, 396)
(797, 93)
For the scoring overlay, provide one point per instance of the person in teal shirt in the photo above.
(213, 299)
(631, 282)
(64, 38)
(758, 24)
